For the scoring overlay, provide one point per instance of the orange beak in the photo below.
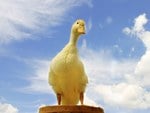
(81, 30)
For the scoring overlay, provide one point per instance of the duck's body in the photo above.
(67, 75)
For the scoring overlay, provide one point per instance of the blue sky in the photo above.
(115, 52)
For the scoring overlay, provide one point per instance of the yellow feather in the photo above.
(67, 76)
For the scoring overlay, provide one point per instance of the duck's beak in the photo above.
(81, 30)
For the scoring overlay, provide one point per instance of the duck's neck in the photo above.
(73, 39)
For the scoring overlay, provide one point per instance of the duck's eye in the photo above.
(77, 22)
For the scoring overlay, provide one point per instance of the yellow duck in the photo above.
(67, 75)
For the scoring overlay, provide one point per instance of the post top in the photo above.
(71, 108)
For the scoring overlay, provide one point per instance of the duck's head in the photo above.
(78, 27)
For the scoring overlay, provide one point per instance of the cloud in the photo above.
(138, 27)
(20, 19)
(111, 80)
(98, 70)
(7, 108)
(124, 95)
(89, 101)
(142, 71)
(39, 79)
(139, 31)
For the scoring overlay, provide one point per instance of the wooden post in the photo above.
(70, 109)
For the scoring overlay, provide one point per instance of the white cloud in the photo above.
(138, 27)
(89, 101)
(19, 19)
(142, 71)
(39, 78)
(109, 82)
(141, 77)
(139, 31)
(139, 23)
(103, 68)
(7, 108)
(126, 30)
(124, 95)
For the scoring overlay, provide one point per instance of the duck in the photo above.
(67, 75)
